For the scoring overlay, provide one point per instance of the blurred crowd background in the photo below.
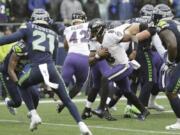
(61, 10)
(14, 12)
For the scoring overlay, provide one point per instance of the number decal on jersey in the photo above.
(84, 38)
(42, 37)
(73, 37)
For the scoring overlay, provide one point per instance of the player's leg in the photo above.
(96, 84)
(35, 95)
(68, 70)
(81, 73)
(173, 85)
(31, 77)
(79, 69)
(125, 85)
(130, 110)
(102, 111)
(146, 77)
(55, 77)
(157, 62)
(13, 91)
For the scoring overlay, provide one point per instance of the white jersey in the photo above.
(112, 39)
(94, 45)
(77, 37)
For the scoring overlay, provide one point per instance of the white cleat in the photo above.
(84, 129)
(35, 121)
(156, 107)
(175, 126)
(11, 109)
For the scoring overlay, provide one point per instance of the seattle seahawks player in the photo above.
(41, 42)
(76, 61)
(18, 65)
(9, 84)
(169, 32)
(150, 62)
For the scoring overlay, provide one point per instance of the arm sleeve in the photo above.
(12, 38)
(156, 41)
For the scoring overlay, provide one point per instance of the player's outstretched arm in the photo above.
(11, 38)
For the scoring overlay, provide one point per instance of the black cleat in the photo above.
(86, 113)
(143, 115)
(98, 112)
(108, 116)
(59, 108)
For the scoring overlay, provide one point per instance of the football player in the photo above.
(76, 61)
(17, 65)
(41, 42)
(169, 33)
(106, 46)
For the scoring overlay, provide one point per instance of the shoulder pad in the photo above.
(162, 24)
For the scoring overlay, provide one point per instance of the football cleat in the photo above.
(108, 116)
(35, 121)
(84, 129)
(98, 112)
(60, 107)
(127, 112)
(143, 115)
(86, 113)
(175, 126)
(11, 109)
(156, 107)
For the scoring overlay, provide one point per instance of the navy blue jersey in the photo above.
(174, 26)
(41, 42)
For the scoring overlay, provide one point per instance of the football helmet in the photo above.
(79, 16)
(40, 16)
(146, 10)
(161, 11)
(97, 28)
(20, 49)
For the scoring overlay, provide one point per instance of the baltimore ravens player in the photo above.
(76, 61)
(41, 41)
(106, 45)
(169, 32)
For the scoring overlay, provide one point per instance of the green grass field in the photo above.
(63, 124)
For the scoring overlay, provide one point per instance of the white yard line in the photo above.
(102, 127)
(79, 100)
